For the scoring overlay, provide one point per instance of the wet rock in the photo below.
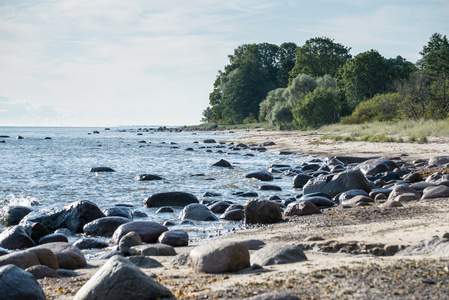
(439, 191)
(72, 216)
(41, 271)
(15, 237)
(222, 163)
(153, 250)
(233, 257)
(35, 230)
(209, 141)
(12, 215)
(268, 187)
(233, 215)
(262, 212)
(147, 177)
(335, 184)
(16, 283)
(90, 243)
(175, 238)
(104, 226)
(247, 194)
(69, 256)
(262, 175)
(101, 169)
(170, 199)
(300, 180)
(30, 257)
(129, 240)
(219, 207)
(148, 231)
(165, 209)
(275, 254)
(52, 238)
(302, 208)
(118, 279)
(376, 166)
(319, 199)
(197, 212)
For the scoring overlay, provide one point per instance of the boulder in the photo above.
(129, 240)
(30, 257)
(15, 237)
(275, 254)
(170, 199)
(104, 226)
(153, 250)
(90, 243)
(438, 160)
(209, 141)
(147, 177)
(165, 209)
(12, 215)
(302, 208)
(236, 214)
(319, 199)
(269, 187)
(41, 271)
(358, 200)
(345, 196)
(16, 283)
(300, 180)
(52, 238)
(148, 231)
(402, 189)
(376, 166)
(262, 175)
(175, 238)
(197, 212)
(432, 192)
(69, 256)
(120, 279)
(72, 216)
(35, 230)
(144, 262)
(233, 257)
(335, 184)
(118, 211)
(101, 169)
(222, 163)
(262, 212)
(219, 207)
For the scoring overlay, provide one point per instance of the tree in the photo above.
(287, 59)
(320, 56)
(207, 115)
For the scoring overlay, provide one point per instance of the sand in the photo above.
(326, 275)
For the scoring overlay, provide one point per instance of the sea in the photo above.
(50, 167)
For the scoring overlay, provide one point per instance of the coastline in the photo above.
(326, 274)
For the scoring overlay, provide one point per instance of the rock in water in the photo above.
(222, 163)
(16, 283)
(233, 257)
(148, 231)
(120, 279)
(197, 212)
(101, 169)
(170, 199)
(261, 175)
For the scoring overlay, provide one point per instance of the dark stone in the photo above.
(16, 283)
(144, 262)
(275, 254)
(148, 231)
(104, 226)
(376, 166)
(90, 243)
(262, 212)
(101, 169)
(302, 208)
(175, 238)
(268, 187)
(72, 216)
(41, 271)
(262, 175)
(209, 141)
(52, 238)
(129, 240)
(69, 256)
(147, 177)
(12, 215)
(118, 211)
(222, 163)
(248, 194)
(15, 237)
(233, 215)
(30, 257)
(318, 199)
(219, 207)
(300, 180)
(170, 199)
(165, 209)
(153, 250)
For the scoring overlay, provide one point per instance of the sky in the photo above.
(146, 62)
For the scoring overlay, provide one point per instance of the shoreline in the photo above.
(409, 225)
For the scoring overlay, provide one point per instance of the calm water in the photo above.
(56, 171)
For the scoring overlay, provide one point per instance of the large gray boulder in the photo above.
(68, 256)
(303, 208)
(197, 212)
(300, 180)
(275, 254)
(376, 166)
(175, 238)
(232, 257)
(148, 231)
(72, 216)
(120, 279)
(129, 240)
(400, 189)
(432, 192)
(170, 199)
(439, 160)
(30, 257)
(104, 226)
(152, 250)
(262, 212)
(17, 284)
(333, 185)
(15, 237)
(262, 175)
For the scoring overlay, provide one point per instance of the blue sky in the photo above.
(146, 62)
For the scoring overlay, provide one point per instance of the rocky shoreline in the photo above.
(358, 228)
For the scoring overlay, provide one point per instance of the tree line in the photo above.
(301, 87)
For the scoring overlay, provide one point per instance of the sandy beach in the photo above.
(333, 270)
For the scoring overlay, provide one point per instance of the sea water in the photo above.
(43, 173)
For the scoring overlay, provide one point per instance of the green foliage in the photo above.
(318, 108)
(207, 115)
(320, 56)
